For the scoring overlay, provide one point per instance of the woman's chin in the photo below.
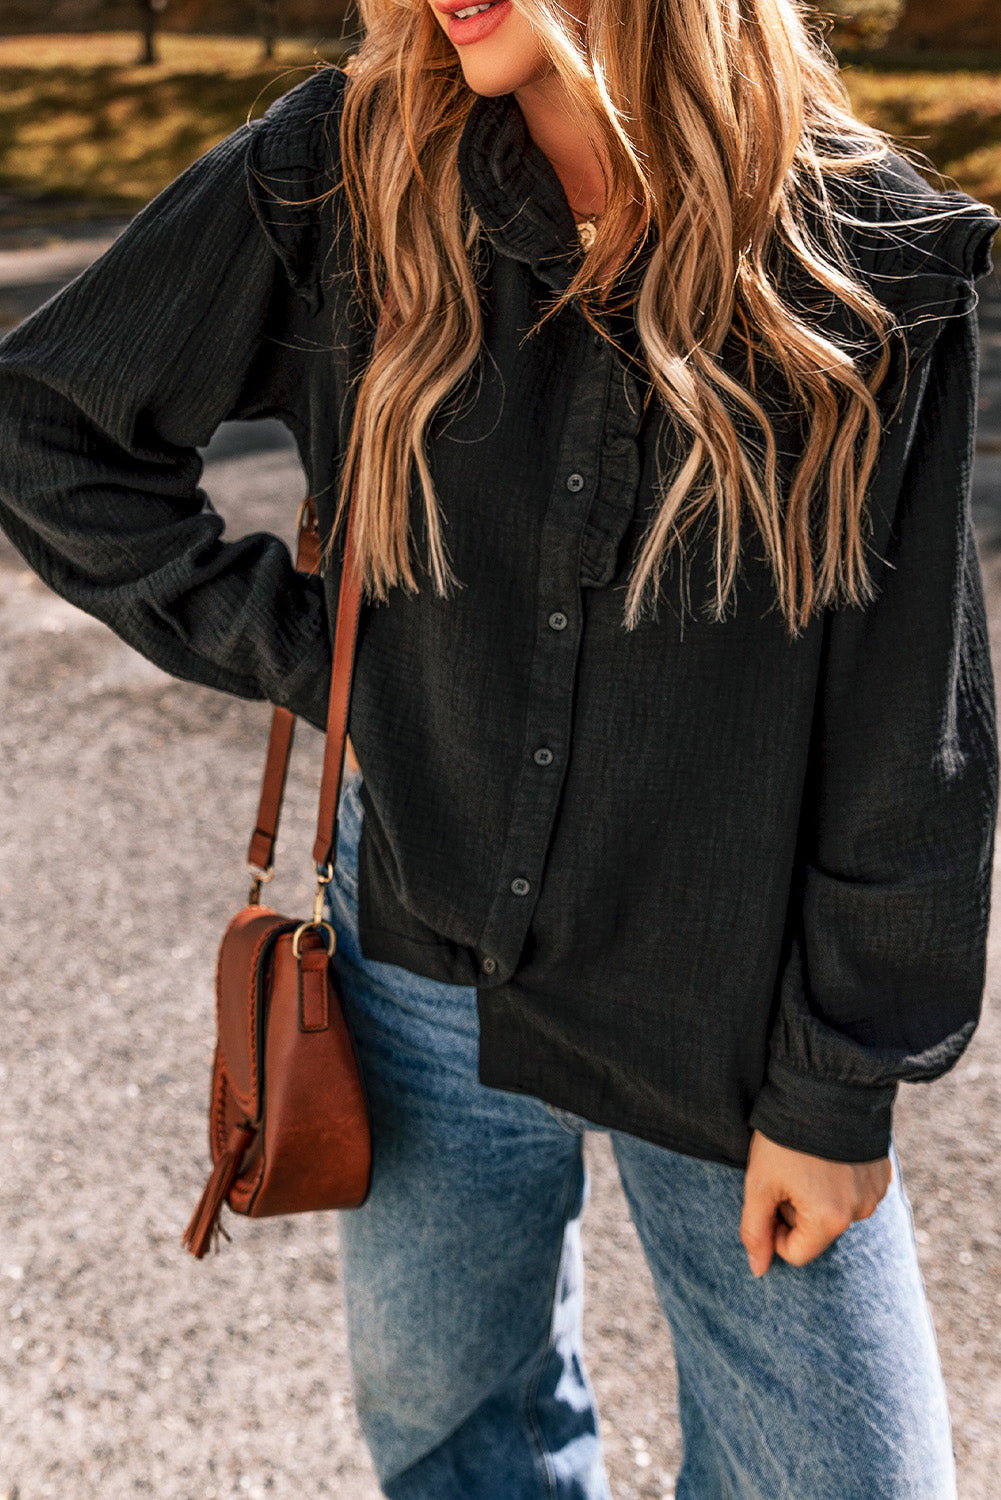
(493, 76)
(510, 58)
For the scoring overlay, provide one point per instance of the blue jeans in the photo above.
(462, 1277)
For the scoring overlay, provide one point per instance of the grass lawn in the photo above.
(951, 115)
(85, 131)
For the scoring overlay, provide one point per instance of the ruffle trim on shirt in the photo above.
(920, 251)
(910, 229)
(614, 503)
(292, 164)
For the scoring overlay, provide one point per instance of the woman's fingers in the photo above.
(807, 1238)
(759, 1224)
(795, 1205)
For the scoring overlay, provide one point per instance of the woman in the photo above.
(676, 771)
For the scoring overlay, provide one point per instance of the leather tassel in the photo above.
(204, 1226)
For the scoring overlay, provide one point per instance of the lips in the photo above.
(449, 7)
(464, 30)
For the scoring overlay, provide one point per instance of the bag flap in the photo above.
(244, 956)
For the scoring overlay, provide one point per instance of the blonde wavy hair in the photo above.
(721, 121)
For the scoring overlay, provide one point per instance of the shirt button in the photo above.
(489, 966)
(558, 620)
(520, 886)
(575, 483)
(543, 756)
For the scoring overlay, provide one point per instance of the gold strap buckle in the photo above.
(325, 930)
(324, 875)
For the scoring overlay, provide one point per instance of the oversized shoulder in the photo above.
(293, 174)
(918, 250)
(299, 131)
(908, 237)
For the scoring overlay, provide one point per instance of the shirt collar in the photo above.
(515, 192)
(519, 199)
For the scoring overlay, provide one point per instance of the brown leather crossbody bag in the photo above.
(288, 1122)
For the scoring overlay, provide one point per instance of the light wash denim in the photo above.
(463, 1282)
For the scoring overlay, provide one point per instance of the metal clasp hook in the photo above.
(324, 875)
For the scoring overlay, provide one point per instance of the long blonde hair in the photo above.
(722, 121)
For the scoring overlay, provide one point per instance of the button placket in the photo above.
(551, 688)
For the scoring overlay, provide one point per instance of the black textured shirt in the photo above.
(705, 878)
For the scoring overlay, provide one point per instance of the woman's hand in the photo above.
(795, 1205)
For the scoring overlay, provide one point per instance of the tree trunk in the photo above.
(148, 57)
(267, 24)
(959, 25)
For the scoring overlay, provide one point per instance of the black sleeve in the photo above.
(105, 394)
(888, 934)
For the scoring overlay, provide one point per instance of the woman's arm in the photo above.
(106, 393)
(888, 939)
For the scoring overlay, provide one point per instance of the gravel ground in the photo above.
(126, 1368)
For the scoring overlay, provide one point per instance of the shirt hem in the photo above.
(610, 1120)
(439, 960)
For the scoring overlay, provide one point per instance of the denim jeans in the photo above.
(463, 1281)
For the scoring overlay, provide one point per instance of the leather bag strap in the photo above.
(341, 673)
(260, 855)
(262, 844)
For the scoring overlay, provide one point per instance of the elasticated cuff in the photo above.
(838, 1121)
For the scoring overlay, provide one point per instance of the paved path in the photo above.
(29, 276)
(125, 1368)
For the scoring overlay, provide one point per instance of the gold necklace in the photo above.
(587, 231)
